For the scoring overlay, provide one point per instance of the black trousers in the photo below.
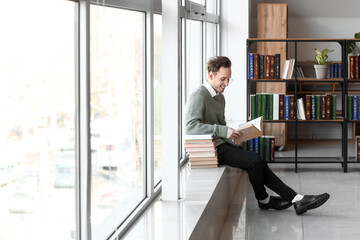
(260, 174)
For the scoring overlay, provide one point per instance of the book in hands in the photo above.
(250, 130)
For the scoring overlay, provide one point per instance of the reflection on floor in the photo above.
(338, 218)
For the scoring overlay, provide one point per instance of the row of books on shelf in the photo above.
(264, 146)
(264, 66)
(278, 106)
(201, 150)
(353, 107)
(335, 70)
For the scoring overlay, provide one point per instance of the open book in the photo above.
(250, 130)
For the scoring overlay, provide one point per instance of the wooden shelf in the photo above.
(299, 39)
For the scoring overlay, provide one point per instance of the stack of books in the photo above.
(201, 150)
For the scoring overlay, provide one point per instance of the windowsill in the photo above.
(206, 195)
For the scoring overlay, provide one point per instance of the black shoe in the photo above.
(310, 202)
(276, 203)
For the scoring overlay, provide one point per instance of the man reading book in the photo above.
(204, 114)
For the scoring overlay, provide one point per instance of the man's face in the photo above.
(220, 80)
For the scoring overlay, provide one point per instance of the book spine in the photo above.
(263, 105)
(267, 66)
(277, 66)
(358, 106)
(318, 107)
(258, 98)
(323, 107)
(339, 70)
(252, 106)
(271, 106)
(272, 149)
(281, 107)
(251, 145)
(351, 67)
(261, 147)
(276, 106)
(272, 66)
(256, 65)
(251, 65)
(292, 107)
(267, 108)
(313, 107)
(328, 106)
(355, 108)
(286, 107)
(332, 70)
(333, 106)
(350, 108)
(267, 148)
(308, 109)
(261, 67)
(356, 64)
(256, 145)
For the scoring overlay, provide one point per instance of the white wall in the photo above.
(234, 29)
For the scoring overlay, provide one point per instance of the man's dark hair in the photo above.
(215, 63)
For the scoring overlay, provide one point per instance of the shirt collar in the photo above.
(211, 90)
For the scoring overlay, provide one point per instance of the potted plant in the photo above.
(322, 66)
(353, 48)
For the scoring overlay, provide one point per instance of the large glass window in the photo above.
(117, 116)
(194, 55)
(210, 40)
(37, 126)
(157, 98)
(211, 6)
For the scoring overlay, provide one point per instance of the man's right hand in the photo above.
(234, 134)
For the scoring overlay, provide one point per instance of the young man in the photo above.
(205, 115)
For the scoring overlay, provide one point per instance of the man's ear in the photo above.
(211, 75)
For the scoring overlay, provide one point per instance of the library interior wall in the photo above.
(317, 19)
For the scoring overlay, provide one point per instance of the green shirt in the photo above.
(204, 114)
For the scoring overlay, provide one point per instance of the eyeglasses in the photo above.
(230, 80)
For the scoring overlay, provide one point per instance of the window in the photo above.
(117, 116)
(210, 40)
(37, 126)
(157, 98)
(194, 55)
(211, 6)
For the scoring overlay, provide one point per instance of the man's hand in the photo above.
(234, 134)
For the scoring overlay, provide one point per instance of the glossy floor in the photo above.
(338, 218)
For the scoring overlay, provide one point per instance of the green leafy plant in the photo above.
(321, 56)
(353, 45)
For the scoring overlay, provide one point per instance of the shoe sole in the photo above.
(312, 205)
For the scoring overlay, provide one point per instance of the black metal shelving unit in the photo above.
(343, 82)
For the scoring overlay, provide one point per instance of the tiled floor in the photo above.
(338, 218)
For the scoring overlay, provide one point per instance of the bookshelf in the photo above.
(295, 86)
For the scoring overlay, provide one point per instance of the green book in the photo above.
(258, 98)
(318, 107)
(333, 107)
(252, 106)
(271, 106)
(261, 147)
(263, 105)
(267, 148)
